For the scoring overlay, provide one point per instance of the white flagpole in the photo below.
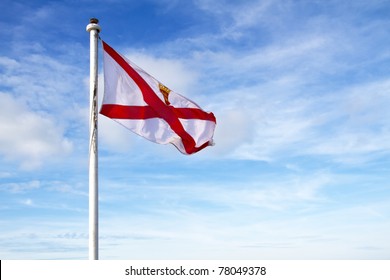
(93, 28)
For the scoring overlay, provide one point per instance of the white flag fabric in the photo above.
(142, 104)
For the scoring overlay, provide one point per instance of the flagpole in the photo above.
(93, 28)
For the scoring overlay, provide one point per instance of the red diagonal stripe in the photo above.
(128, 112)
(155, 103)
(146, 112)
(194, 113)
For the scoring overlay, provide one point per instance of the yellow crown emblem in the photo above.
(165, 92)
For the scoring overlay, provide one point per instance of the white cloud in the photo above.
(28, 202)
(169, 71)
(28, 137)
(234, 128)
(114, 137)
(348, 125)
(43, 82)
(5, 175)
(235, 16)
(8, 63)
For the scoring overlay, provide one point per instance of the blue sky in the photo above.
(300, 170)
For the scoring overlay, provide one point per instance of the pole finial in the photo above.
(93, 25)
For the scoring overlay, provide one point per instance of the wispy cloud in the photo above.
(20, 187)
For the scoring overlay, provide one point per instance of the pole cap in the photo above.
(93, 25)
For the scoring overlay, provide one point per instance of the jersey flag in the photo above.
(142, 104)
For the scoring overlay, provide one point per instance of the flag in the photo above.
(145, 106)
